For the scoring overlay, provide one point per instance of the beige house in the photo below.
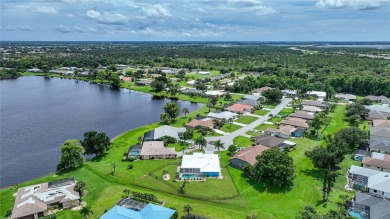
(377, 161)
(156, 150)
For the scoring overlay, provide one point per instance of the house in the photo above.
(360, 154)
(213, 93)
(222, 115)
(34, 70)
(312, 109)
(302, 115)
(289, 93)
(249, 102)
(191, 83)
(381, 123)
(379, 99)
(376, 182)
(262, 89)
(247, 156)
(238, 107)
(282, 132)
(377, 161)
(143, 82)
(377, 115)
(348, 97)
(380, 146)
(126, 79)
(379, 134)
(199, 165)
(370, 207)
(203, 72)
(156, 150)
(219, 77)
(252, 97)
(191, 91)
(208, 123)
(150, 211)
(134, 151)
(272, 141)
(34, 201)
(319, 94)
(315, 103)
(296, 122)
(163, 131)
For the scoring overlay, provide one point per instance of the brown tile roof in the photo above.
(156, 148)
(302, 115)
(195, 122)
(262, 89)
(372, 161)
(126, 79)
(380, 123)
(249, 154)
(239, 107)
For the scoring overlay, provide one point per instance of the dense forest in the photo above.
(332, 70)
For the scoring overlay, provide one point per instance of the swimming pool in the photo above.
(189, 176)
(355, 214)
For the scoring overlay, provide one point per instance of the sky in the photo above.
(195, 20)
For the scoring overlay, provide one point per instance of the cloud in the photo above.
(18, 27)
(70, 15)
(255, 6)
(107, 18)
(199, 9)
(355, 4)
(63, 29)
(156, 11)
(46, 10)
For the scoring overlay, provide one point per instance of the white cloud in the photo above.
(255, 6)
(199, 9)
(156, 11)
(107, 18)
(70, 15)
(63, 29)
(18, 27)
(355, 4)
(46, 10)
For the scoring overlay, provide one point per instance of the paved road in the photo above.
(228, 139)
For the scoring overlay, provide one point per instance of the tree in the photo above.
(95, 143)
(352, 136)
(71, 155)
(228, 96)
(127, 192)
(356, 109)
(232, 149)
(185, 111)
(115, 81)
(174, 89)
(308, 213)
(318, 120)
(251, 215)
(273, 95)
(274, 167)
(157, 85)
(230, 121)
(80, 188)
(218, 145)
(86, 212)
(210, 105)
(201, 141)
(164, 118)
(187, 209)
(172, 110)
(355, 119)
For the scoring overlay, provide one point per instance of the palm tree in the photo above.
(80, 187)
(140, 139)
(185, 111)
(230, 121)
(201, 141)
(251, 215)
(218, 145)
(127, 192)
(187, 209)
(210, 105)
(86, 212)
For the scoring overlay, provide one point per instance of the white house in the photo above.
(214, 93)
(199, 165)
(191, 83)
(203, 72)
(320, 94)
(222, 115)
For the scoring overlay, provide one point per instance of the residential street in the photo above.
(228, 139)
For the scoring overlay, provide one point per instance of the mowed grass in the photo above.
(275, 119)
(242, 141)
(230, 127)
(246, 119)
(286, 111)
(261, 112)
(265, 126)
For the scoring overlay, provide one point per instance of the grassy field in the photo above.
(265, 126)
(230, 127)
(242, 141)
(275, 119)
(261, 112)
(246, 119)
(286, 111)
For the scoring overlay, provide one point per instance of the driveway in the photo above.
(227, 140)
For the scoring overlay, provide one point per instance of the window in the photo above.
(375, 190)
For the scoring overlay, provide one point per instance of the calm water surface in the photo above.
(37, 115)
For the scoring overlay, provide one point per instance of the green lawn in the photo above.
(242, 141)
(178, 146)
(286, 111)
(270, 106)
(265, 126)
(261, 112)
(230, 127)
(246, 119)
(275, 119)
(254, 134)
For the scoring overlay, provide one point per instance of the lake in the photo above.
(37, 115)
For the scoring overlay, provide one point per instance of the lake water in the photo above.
(37, 115)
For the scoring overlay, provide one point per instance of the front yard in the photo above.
(246, 119)
(242, 141)
(230, 127)
(261, 112)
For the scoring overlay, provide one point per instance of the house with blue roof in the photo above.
(150, 211)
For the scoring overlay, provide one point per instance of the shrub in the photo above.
(130, 166)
